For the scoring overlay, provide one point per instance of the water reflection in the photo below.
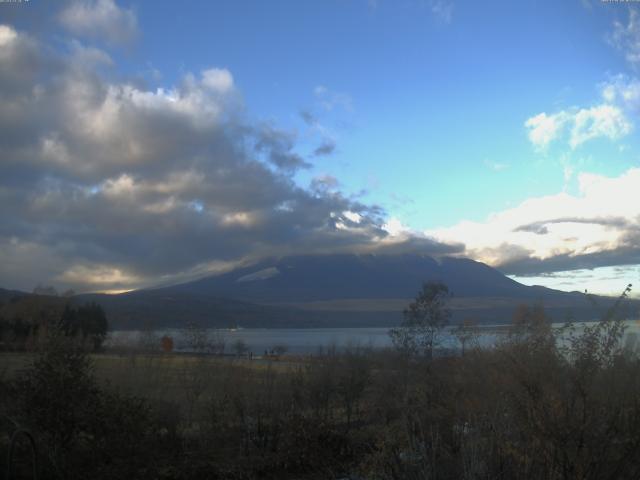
(309, 340)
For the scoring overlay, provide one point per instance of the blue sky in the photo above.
(452, 117)
(429, 95)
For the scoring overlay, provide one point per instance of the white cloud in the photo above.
(626, 37)
(101, 19)
(543, 128)
(217, 79)
(396, 228)
(604, 218)
(623, 91)
(353, 217)
(581, 125)
(7, 35)
(601, 121)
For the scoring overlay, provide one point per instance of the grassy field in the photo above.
(185, 382)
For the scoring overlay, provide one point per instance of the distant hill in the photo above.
(166, 308)
(6, 295)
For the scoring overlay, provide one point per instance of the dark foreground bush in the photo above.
(81, 430)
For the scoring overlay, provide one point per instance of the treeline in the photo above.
(25, 322)
(542, 403)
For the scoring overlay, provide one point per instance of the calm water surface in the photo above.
(308, 340)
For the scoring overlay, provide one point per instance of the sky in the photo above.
(146, 143)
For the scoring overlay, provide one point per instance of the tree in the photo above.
(88, 321)
(466, 333)
(93, 323)
(82, 430)
(424, 320)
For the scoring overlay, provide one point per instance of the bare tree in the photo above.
(467, 334)
(424, 321)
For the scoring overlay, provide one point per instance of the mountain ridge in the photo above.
(339, 290)
(303, 278)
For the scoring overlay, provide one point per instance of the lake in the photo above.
(306, 340)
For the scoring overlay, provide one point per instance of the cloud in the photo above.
(308, 118)
(599, 226)
(327, 137)
(278, 147)
(626, 37)
(7, 35)
(442, 10)
(107, 185)
(100, 19)
(218, 79)
(88, 56)
(579, 125)
(329, 100)
(624, 91)
(612, 117)
(323, 184)
(543, 128)
(600, 121)
(327, 147)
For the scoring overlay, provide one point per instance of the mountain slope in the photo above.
(369, 290)
(334, 291)
(329, 277)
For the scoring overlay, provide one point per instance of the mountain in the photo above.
(7, 295)
(338, 290)
(330, 277)
(373, 290)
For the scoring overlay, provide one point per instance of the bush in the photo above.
(82, 430)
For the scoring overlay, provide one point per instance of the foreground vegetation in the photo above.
(533, 407)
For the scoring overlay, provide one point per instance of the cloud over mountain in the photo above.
(108, 184)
